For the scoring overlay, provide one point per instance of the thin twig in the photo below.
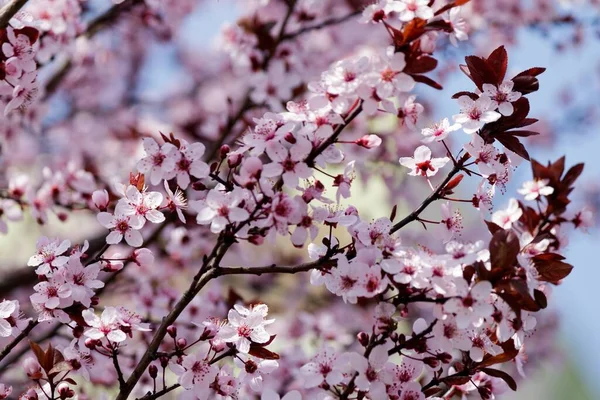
(9, 10)
(24, 333)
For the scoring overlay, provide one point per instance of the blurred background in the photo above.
(567, 105)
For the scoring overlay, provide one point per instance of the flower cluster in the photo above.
(267, 153)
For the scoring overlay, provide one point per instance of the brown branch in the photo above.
(160, 393)
(436, 195)
(247, 103)
(321, 25)
(24, 333)
(9, 10)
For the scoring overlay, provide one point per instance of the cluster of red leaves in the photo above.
(53, 363)
(492, 70)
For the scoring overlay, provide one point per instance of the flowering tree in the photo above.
(260, 154)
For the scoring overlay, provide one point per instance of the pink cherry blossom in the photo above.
(126, 226)
(507, 217)
(472, 305)
(438, 131)
(502, 96)
(49, 255)
(416, 9)
(189, 163)
(533, 190)
(373, 373)
(196, 374)
(288, 163)
(159, 161)
(220, 209)
(106, 326)
(422, 163)
(245, 326)
(475, 113)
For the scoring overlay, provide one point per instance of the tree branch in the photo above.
(24, 333)
(9, 10)
(436, 195)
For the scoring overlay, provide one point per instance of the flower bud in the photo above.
(64, 391)
(172, 331)
(431, 362)
(77, 331)
(217, 345)
(223, 151)
(143, 257)
(164, 362)
(234, 160)
(91, 343)
(290, 138)
(181, 343)
(32, 368)
(101, 199)
(153, 371)
(444, 357)
(363, 338)
(198, 186)
(30, 394)
(369, 141)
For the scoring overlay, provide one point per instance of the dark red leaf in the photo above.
(522, 133)
(513, 144)
(496, 373)
(420, 65)
(471, 95)
(261, 352)
(504, 248)
(428, 81)
(551, 270)
(510, 352)
(540, 298)
(492, 227)
(572, 174)
(479, 71)
(498, 61)
(535, 71)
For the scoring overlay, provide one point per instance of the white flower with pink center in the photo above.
(49, 255)
(159, 160)
(122, 226)
(373, 373)
(475, 113)
(52, 294)
(507, 217)
(195, 373)
(288, 163)
(439, 131)
(82, 280)
(220, 209)
(143, 204)
(323, 368)
(106, 326)
(416, 9)
(189, 162)
(502, 96)
(535, 189)
(246, 326)
(471, 304)
(422, 164)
